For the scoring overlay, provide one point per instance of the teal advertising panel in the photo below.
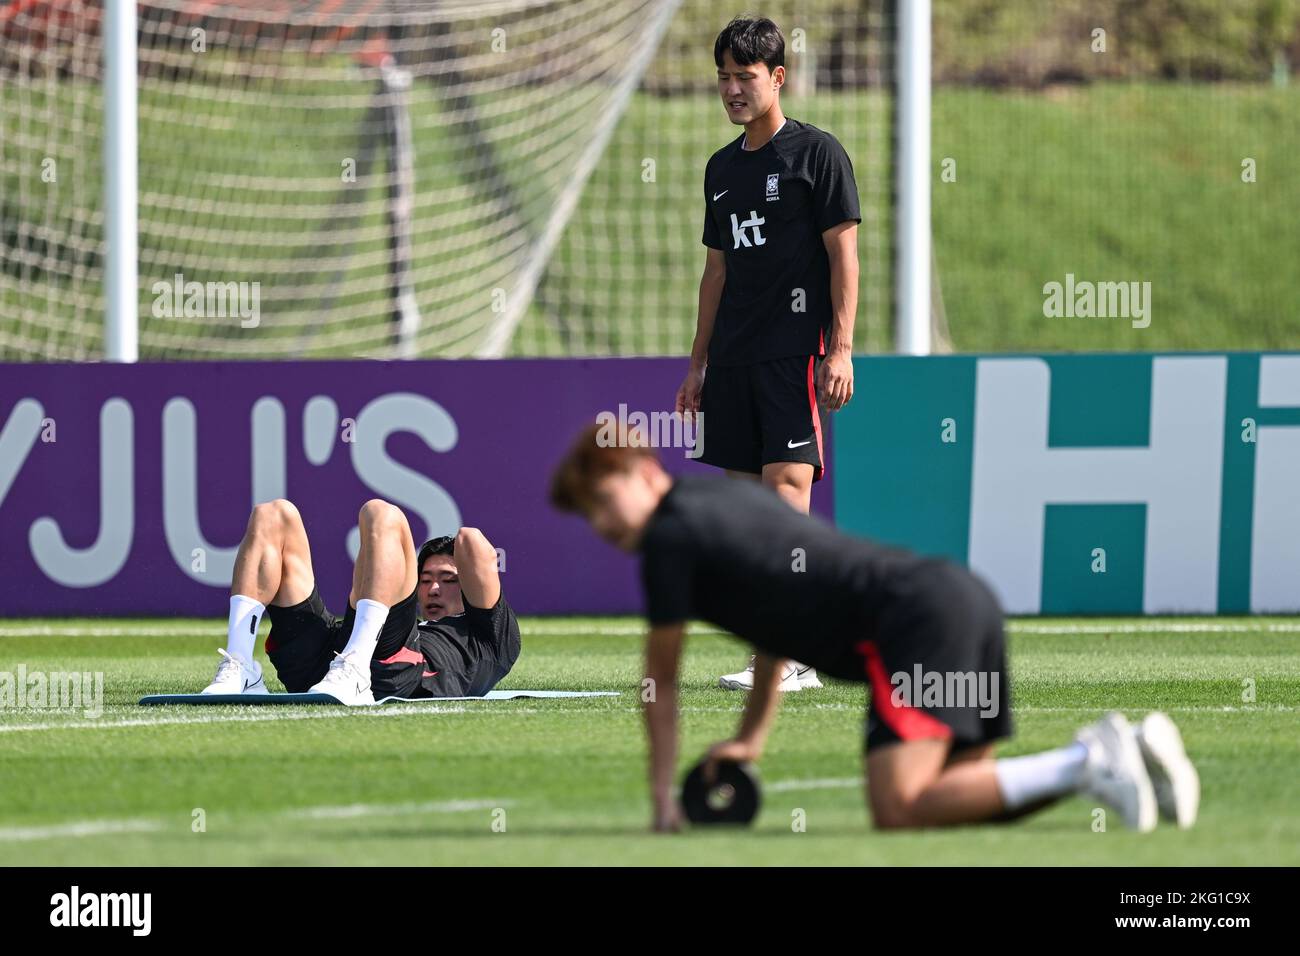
(1085, 484)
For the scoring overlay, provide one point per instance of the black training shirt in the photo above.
(766, 209)
(734, 553)
(468, 654)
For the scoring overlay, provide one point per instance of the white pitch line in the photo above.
(1012, 624)
(635, 629)
(351, 810)
(407, 710)
(217, 630)
(262, 715)
(265, 714)
(82, 828)
(1151, 627)
(217, 633)
(147, 630)
(1024, 626)
(1205, 709)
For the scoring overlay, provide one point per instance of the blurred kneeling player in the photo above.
(914, 629)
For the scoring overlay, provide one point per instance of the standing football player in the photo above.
(779, 291)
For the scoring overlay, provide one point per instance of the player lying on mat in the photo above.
(467, 642)
(733, 553)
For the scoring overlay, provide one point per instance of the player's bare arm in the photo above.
(756, 721)
(663, 650)
(476, 564)
(835, 387)
(711, 283)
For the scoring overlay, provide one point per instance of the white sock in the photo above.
(241, 634)
(365, 628)
(1053, 773)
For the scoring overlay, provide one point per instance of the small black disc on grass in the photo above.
(733, 798)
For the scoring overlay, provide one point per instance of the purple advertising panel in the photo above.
(125, 489)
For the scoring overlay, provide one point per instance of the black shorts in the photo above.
(937, 667)
(305, 637)
(754, 415)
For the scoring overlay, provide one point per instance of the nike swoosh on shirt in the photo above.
(794, 444)
(718, 196)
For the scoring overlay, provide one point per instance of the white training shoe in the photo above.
(744, 680)
(346, 682)
(1114, 772)
(1175, 781)
(236, 676)
(807, 677)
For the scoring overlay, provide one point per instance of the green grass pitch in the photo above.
(562, 781)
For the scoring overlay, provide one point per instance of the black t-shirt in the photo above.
(469, 653)
(767, 209)
(737, 555)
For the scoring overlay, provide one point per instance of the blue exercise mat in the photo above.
(282, 699)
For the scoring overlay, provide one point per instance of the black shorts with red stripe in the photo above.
(305, 637)
(936, 667)
(755, 415)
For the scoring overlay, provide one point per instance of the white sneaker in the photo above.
(744, 680)
(1175, 781)
(236, 676)
(807, 677)
(346, 682)
(1114, 772)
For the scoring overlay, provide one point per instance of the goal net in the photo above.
(332, 178)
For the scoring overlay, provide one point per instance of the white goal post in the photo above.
(121, 277)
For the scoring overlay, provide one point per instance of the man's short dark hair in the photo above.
(751, 40)
(443, 545)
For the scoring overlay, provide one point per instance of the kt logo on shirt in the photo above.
(738, 228)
